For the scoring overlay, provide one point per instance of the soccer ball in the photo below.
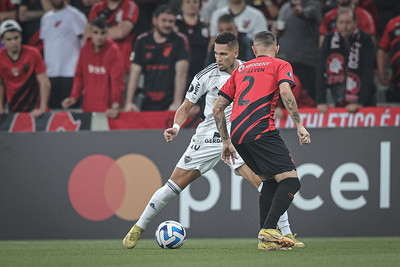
(170, 235)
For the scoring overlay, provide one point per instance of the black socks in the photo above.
(280, 201)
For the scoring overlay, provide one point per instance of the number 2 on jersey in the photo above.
(243, 102)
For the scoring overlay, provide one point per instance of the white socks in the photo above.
(284, 225)
(157, 202)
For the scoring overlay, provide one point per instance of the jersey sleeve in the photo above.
(285, 74)
(131, 12)
(323, 29)
(367, 22)
(229, 88)
(79, 23)
(40, 66)
(196, 90)
(183, 47)
(138, 54)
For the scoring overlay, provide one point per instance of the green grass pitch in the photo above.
(324, 252)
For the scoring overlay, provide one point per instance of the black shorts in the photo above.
(267, 155)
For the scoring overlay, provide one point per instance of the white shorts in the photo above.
(204, 158)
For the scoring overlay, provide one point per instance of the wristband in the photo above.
(176, 126)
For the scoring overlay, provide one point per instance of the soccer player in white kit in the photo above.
(205, 147)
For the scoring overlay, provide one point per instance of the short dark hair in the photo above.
(99, 22)
(347, 10)
(227, 38)
(264, 38)
(164, 9)
(226, 18)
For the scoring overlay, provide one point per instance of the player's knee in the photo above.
(293, 183)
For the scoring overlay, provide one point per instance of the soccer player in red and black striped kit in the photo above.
(23, 76)
(254, 88)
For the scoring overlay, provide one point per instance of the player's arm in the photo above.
(132, 87)
(228, 150)
(121, 30)
(181, 69)
(181, 116)
(1, 96)
(381, 60)
(25, 14)
(44, 87)
(290, 103)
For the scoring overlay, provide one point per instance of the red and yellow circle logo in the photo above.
(100, 186)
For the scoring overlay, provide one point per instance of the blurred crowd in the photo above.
(141, 55)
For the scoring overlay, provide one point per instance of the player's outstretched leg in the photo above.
(157, 202)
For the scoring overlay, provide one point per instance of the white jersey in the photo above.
(250, 21)
(208, 82)
(205, 147)
(60, 32)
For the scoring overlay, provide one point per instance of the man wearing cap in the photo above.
(23, 75)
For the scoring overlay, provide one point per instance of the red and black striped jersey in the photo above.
(254, 90)
(22, 89)
(390, 41)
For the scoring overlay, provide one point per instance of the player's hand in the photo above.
(384, 78)
(131, 107)
(353, 107)
(323, 108)
(170, 134)
(304, 136)
(69, 101)
(36, 113)
(228, 152)
(112, 113)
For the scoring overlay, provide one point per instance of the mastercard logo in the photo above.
(100, 187)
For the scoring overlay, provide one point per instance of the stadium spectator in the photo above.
(23, 77)
(298, 39)
(270, 9)
(226, 23)
(387, 9)
(346, 66)
(84, 5)
(99, 77)
(196, 31)
(61, 30)
(121, 16)
(365, 22)
(248, 19)
(146, 10)
(390, 44)
(29, 13)
(208, 8)
(163, 56)
(8, 10)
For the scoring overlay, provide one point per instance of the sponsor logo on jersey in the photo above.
(153, 206)
(258, 64)
(289, 74)
(15, 71)
(187, 159)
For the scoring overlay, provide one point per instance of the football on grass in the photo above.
(170, 235)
